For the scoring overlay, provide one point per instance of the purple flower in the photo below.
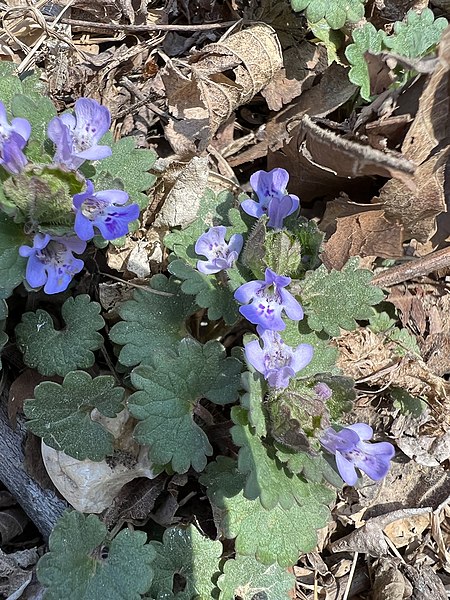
(76, 137)
(323, 391)
(98, 209)
(51, 262)
(267, 300)
(277, 361)
(352, 452)
(220, 254)
(273, 201)
(13, 139)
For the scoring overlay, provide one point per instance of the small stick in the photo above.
(145, 28)
(350, 577)
(414, 268)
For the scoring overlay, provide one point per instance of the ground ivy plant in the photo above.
(238, 328)
(416, 36)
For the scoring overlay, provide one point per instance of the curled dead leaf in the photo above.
(202, 94)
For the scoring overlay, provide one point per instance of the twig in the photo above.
(42, 506)
(145, 28)
(414, 268)
(350, 577)
(145, 288)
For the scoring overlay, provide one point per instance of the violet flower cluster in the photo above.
(51, 261)
(273, 199)
(352, 452)
(264, 302)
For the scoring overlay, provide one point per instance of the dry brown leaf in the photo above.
(418, 211)
(302, 65)
(333, 90)
(179, 192)
(322, 163)
(222, 76)
(389, 583)
(363, 234)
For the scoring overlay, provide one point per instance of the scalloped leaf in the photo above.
(417, 34)
(169, 391)
(247, 578)
(325, 355)
(79, 571)
(190, 555)
(130, 165)
(54, 352)
(297, 414)
(61, 414)
(313, 467)
(278, 535)
(335, 12)
(334, 300)
(365, 38)
(213, 211)
(12, 265)
(252, 400)
(152, 323)
(266, 477)
(210, 292)
(38, 110)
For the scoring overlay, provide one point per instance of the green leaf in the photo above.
(252, 401)
(210, 292)
(334, 300)
(325, 355)
(332, 40)
(54, 352)
(343, 394)
(74, 567)
(190, 555)
(12, 265)
(278, 535)
(152, 323)
(381, 323)
(313, 467)
(335, 12)
(129, 164)
(407, 404)
(365, 38)
(38, 111)
(416, 35)
(266, 476)
(61, 414)
(297, 414)
(213, 211)
(247, 579)
(170, 389)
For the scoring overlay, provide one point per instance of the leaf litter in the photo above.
(281, 90)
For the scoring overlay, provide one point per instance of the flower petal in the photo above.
(364, 431)
(94, 153)
(92, 116)
(248, 291)
(22, 127)
(346, 469)
(279, 378)
(235, 244)
(113, 196)
(252, 208)
(292, 307)
(35, 273)
(301, 357)
(254, 355)
(83, 227)
(207, 267)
